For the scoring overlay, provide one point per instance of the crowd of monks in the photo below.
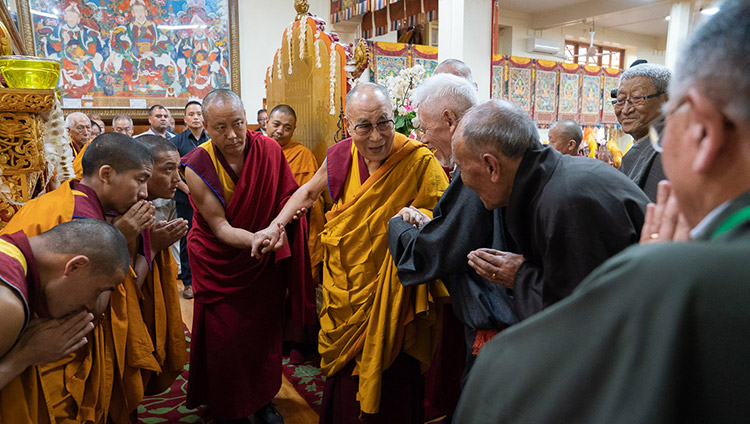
(474, 262)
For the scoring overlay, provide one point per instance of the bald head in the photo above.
(368, 92)
(454, 67)
(102, 243)
(220, 98)
(565, 137)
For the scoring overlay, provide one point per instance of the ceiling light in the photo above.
(667, 18)
(710, 10)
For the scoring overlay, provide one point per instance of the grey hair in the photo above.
(570, 130)
(69, 118)
(220, 96)
(659, 74)
(454, 67)
(716, 59)
(377, 88)
(120, 118)
(501, 126)
(446, 91)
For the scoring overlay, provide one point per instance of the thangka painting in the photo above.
(498, 77)
(591, 95)
(545, 91)
(130, 53)
(520, 81)
(426, 56)
(568, 104)
(388, 60)
(611, 82)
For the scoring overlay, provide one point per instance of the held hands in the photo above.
(47, 340)
(664, 221)
(496, 266)
(139, 217)
(166, 233)
(269, 239)
(413, 216)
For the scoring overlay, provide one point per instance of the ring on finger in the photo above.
(654, 236)
(493, 275)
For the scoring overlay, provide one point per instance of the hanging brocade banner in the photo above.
(611, 80)
(545, 91)
(499, 76)
(569, 98)
(427, 56)
(520, 82)
(591, 95)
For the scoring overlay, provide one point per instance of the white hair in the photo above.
(501, 126)
(447, 92)
(659, 75)
(69, 119)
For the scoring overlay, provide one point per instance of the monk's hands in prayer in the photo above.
(47, 340)
(664, 221)
(496, 266)
(167, 233)
(413, 216)
(139, 217)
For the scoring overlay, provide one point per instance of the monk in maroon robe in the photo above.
(239, 181)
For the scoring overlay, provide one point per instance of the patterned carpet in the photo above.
(169, 407)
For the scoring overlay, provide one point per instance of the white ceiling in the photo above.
(645, 17)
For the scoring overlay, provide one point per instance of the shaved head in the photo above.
(156, 144)
(121, 152)
(221, 97)
(100, 241)
(369, 91)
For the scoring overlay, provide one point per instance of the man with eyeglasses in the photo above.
(640, 96)
(240, 264)
(79, 131)
(375, 333)
(659, 333)
(262, 121)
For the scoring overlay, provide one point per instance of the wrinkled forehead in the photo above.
(637, 83)
(368, 108)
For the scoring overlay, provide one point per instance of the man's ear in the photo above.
(572, 146)
(711, 122)
(76, 263)
(451, 119)
(491, 166)
(106, 173)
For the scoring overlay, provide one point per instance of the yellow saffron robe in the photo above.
(77, 164)
(107, 375)
(367, 314)
(303, 164)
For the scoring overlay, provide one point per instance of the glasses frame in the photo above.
(382, 126)
(634, 101)
(656, 127)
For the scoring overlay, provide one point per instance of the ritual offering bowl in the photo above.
(29, 72)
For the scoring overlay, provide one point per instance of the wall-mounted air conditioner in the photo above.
(540, 45)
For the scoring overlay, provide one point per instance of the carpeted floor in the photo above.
(169, 407)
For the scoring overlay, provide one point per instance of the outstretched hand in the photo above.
(664, 221)
(47, 340)
(413, 216)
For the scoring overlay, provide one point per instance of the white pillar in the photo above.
(465, 33)
(679, 29)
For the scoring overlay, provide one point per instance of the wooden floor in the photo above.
(290, 404)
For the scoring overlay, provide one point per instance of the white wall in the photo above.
(636, 46)
(262, 24)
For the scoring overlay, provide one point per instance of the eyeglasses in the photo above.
(382, 126)
(635, 101)
(656, 127)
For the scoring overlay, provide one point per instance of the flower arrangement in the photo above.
(400, 87)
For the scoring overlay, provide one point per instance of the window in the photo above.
(610, 57)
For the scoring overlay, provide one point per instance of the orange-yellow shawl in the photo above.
(367, 314)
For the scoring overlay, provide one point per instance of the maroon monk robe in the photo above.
(235, 358)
